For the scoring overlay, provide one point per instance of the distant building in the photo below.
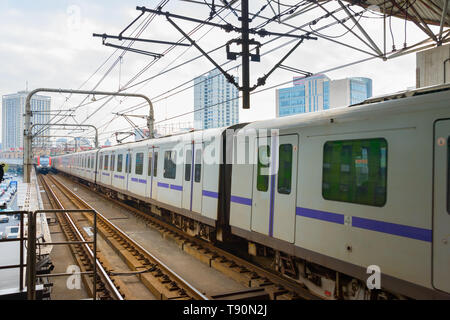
(216, 101)
(13, 109)
(319, 93)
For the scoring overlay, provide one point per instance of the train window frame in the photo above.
(100, 167)
(198, 165)
(170, 166)
(119, 162)
(139, 165)
(288, 187)
(356, 180)
(155, 165)
(188, 165)
(262, 181)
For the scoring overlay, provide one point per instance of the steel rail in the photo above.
(276, 279)
(114, 292)
(190, 289)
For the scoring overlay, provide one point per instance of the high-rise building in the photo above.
(319, 92)
(13, 109)
(216, 101)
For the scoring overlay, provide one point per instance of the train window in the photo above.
(150, 158)
(170, 167)
(285, 169)
(155, 165)
(101, 162)
(89, 162)
(187, 165)
(262, 179)
(198, 165)
(113, 161)
(130, 163)
(106, 162)
(92, 162)
(355, 171)
(139, 169)
(119, 162)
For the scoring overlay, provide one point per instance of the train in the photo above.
(43, 164)
(351, 202)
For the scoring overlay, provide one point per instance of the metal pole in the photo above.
(27, 150)
(245, 56)
(31, 257)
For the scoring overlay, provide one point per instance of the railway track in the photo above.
(158, 278)
(250, 275)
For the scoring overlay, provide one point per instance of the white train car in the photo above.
(327, 195)
(352, 187)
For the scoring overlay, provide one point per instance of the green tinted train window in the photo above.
(355, 171)
(155, 165)
(285, 169)
(198, 165)
(187, 165)
(106, 162)
(119, 162)
(262, 179)
(139, 168)
(170, 167)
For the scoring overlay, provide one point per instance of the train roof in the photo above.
(399, 102)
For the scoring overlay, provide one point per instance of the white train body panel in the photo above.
(397, 236)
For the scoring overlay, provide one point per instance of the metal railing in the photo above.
(32, 245)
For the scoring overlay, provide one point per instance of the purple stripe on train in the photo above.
(320, 215)
(119, 176)
(175, 187)
(211, 194)
(241, 200)
(164, 185)
(369, 224)
(393, 228)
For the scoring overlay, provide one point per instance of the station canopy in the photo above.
(431, 12)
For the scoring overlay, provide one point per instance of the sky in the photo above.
(49, 43)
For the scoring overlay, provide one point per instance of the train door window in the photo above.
(198, 165)
(92, 162)
(262, 179)
(285, 169)
(149, 168)
(106, 162)
(89, 162)
(101, 163)
(170, 167)
(187, 165)
(129, 163)
(113, 161)
(155, 166)
(119, 162)
(355, 171)
(139, 169)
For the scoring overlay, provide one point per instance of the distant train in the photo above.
(43, 164)
(327, 196)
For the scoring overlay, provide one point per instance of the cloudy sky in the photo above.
(49, 43)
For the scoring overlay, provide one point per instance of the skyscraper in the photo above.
(319, 92)
(13, 109)
(216, 102)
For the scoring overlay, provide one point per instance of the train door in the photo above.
(112, 167)
(274, 188)
(188, 173)
(261, 186)
(128, 165)
(154, 180)
(441, 200)
(282, 226)
(197, 177)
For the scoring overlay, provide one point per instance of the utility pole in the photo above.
(245, 56)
